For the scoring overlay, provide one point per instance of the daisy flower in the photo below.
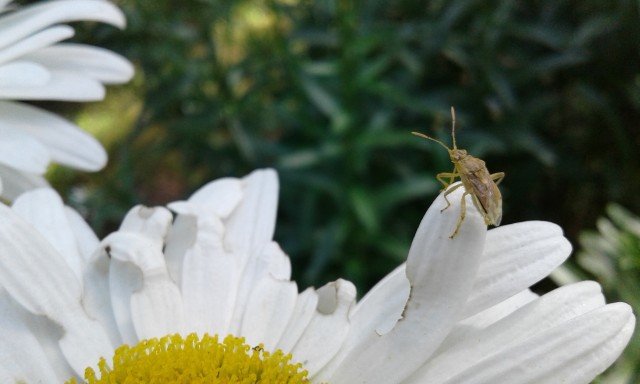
(34, 65)
(206, 295)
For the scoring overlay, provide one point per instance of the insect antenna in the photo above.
(432, 139)
(453, 127)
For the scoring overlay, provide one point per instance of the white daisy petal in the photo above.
(152, 223)
(207, 267)
(94, 62)
(147, 299)
(467, 328)
(95, 274)
(180, 239)
(84, 342)
(124, 280)
(551, 310)
(86, 240)
(390, 295)
(38, 259)
(38, 40)
(20, 350)
(31, 271)
(138, 252)
(99, 303)
(325, 333)
(253, 222)
(437, 289)
(156, 307)
(23, 74)
(44, 210)
(249, 230)
(61, 85)
(66, 143)
(221, 196)
(22, 152)
(303, 312)
(570, 352)
(278, 264)
(516, 257)
(498, 311)
(15, 182)
(377, 313)
(18, 25)
(593, 358)
(261, 324)
(48, 335)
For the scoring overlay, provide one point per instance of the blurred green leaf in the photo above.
(612, 255)
(365, 209)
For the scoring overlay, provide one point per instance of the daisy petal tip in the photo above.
(458, 211)
(446, 223)
(181, 207)
(265, 176)
(625, 311)
(97, 161)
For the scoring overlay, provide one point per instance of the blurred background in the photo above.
(327, 93)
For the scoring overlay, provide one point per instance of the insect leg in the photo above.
(443, 176)
(448, 191)
(463, 213)
(452, 175)
(497, 177)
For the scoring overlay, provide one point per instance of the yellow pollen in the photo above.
(173, 359)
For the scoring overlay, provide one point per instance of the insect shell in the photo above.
(476, 179)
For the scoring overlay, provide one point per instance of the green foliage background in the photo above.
(326, 92)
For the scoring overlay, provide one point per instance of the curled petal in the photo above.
(329, 325)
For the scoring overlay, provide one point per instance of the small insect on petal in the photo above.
(476, 179)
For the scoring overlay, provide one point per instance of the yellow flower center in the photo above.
(173, 359)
